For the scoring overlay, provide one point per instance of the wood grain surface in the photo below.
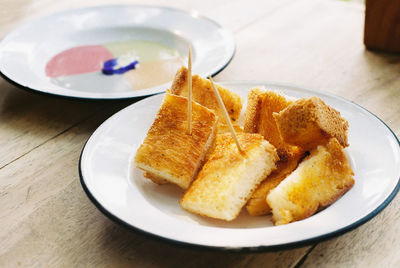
(48, 221)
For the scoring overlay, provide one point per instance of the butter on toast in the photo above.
(169, 153)
(203, 93)
(229, 177)
(319, 180)
(310, 122)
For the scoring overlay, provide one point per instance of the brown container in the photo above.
(382, 25)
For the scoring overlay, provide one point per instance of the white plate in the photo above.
(121, 192)
(25, 52)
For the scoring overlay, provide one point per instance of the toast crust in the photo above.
(252, 113)
(309, 122)
(203, 93)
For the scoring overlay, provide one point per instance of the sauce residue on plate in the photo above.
(157, 64)
(78, 60)
(154, 73)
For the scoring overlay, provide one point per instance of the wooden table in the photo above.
(46, 220)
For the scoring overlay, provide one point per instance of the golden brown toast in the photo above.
(257, 204)
(169, 152)
(310, 122)
(259, 118)
(319, 180)
(203, 93)
(229, 177)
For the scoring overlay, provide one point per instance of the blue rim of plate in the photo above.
(38, 91)
(286, 246)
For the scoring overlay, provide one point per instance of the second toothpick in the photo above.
(227, 118)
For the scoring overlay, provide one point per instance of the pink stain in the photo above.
(78, 60)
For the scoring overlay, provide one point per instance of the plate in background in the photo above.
(121, 192)
(26, 51)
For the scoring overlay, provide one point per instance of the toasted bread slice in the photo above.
(203, 93)
(259, 118)
(319, 180)
(257, 204)
(154, 178)
(229, 177)
(169, 152)
(310, 122)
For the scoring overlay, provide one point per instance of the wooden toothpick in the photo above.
(227, 119)
(189, 76)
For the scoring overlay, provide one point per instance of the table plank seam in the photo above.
(53, 137)
(301, 260)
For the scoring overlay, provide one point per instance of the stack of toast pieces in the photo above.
(313, 171)
(291, 161)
